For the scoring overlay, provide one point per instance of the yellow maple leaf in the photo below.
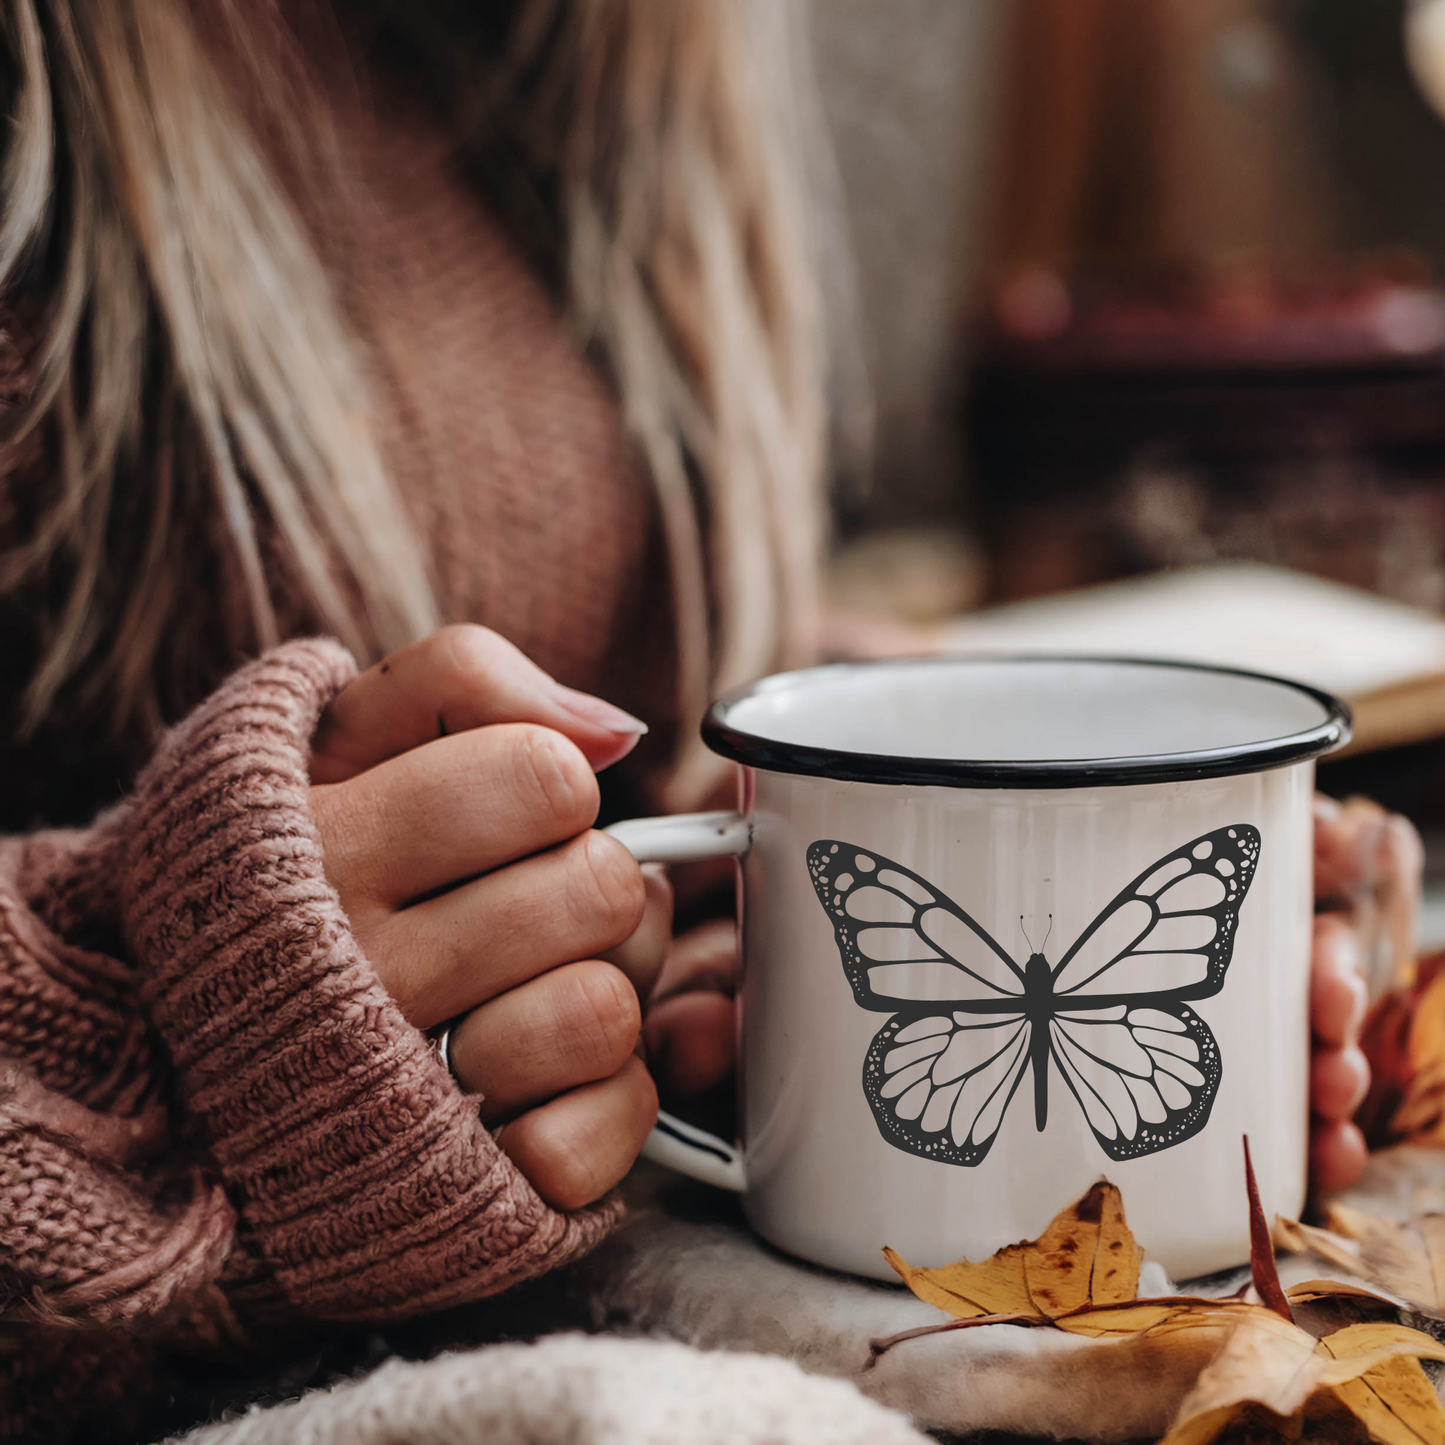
(1268, 1371)
(1086, 1256)
(1266, 1377)
(1396, 1403)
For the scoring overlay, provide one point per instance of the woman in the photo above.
(284, 356)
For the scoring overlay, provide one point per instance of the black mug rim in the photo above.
(806, 760)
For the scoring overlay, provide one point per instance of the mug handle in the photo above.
(689, 838)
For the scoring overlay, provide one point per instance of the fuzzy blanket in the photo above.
(569, 1390)
(683, 1327)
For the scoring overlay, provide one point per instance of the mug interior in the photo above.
(1013, 713)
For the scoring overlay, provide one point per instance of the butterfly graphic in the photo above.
(968, 1022)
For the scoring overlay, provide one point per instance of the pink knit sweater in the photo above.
(215, 1127)
(212, 1116)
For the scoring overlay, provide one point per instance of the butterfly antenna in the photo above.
(1025, 932)
(1045, 943)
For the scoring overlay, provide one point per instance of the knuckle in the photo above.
(610, 895)
(565, 1154)
(607, 1014)
(559, 773)
(469, 651)
(661, 899)
(582, 1162)
(340, 827)
(643, 1097)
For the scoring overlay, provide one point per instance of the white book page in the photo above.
(1265, 619)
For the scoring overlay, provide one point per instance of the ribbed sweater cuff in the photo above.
(364, 1182)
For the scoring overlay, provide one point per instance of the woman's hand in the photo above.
(1368, 866)
(454, 792)
(1339, 1074)
(690, 1030)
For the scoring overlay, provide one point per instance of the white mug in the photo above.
(1009, 924)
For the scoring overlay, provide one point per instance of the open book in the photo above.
(1385, 659)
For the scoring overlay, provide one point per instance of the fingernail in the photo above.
(596, 713)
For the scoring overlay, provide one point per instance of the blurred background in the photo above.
(1152, 285)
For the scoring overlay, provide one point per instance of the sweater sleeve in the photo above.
(212, 1115)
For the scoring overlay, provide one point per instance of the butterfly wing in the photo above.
(1142, 1064)
(1169, 935)
(902, 941)
(1144, 1076)
(938, 1081)
(940, 1073)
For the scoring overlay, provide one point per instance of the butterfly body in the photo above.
(1038, 1009)
(1111, 1018)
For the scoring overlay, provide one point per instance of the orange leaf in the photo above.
(1264, 1361)
(1086, 1255)
(1267, 1364)
(1404, 1040)
(965, 1290)
(1381, 1339)
(1396, 1403)
(1267, 1379)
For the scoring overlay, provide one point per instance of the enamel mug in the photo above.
(1010, 924)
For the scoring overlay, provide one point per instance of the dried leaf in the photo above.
(1220, 1315)
(1267, 1363)
(1419, 1112)
(1380, 1340)
(1432, 1231)
(1392, 1256)
(1268, 1378)
(1261, 1251)
(1119, 1321)
(1408, 1260)
(1404, 1040)
(1383, 1336)
(1297, 1238)
(1086, 1255)
(1385, 1040)
(1127, 1319)
(1318, 1289)
(964, 1290)
(1396, 1403)
(1323, 1314)
(1393, 1398)
(1117, 1255)
(878, 1348)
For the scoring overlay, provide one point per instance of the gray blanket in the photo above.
(684, 1327)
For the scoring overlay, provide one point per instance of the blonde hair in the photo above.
(191, 362)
